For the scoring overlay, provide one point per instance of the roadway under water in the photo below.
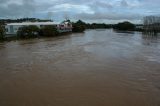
(95, 68)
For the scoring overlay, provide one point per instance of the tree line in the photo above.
(92, 25)
(151, 24)
(48, 31)
(126, 26)
(3, 21)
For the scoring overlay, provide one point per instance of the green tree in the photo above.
(2, 33)
(79, 26)
(28, 32)
(126, 26)
(49, 30)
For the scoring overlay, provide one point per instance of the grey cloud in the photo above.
(94, 9)
(100, 4)
(13, 10)
(124, 3)
(108, 16)
(3, 1)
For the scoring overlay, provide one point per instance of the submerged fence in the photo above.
(151, 24)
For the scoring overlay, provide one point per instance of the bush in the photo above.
(79, 26)
(2, 33)
(49, 31)
(125, 26)
(28, 32)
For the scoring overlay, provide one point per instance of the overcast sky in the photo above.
(108, 11)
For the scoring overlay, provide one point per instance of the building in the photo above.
(12, 28)
(64, 27)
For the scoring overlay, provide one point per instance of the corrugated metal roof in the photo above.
(35, 23)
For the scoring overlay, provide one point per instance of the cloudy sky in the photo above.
(108, 11)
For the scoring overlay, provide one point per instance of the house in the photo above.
(12, 28)
(65, 27)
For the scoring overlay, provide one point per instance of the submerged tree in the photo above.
(28, 32)
(49, 30)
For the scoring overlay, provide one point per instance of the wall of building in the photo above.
(11, 30)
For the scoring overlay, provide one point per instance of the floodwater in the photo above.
(95, 68)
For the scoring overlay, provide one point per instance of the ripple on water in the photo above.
(95, 68)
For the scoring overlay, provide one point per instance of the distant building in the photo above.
(12, 28)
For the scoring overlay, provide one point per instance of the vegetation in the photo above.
(125, 26)
(2, 33)
(98, 26)
(79, 26)
(49, 31)
(3, 21)
(28, 32)
(33, 31)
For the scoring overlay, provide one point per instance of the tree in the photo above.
(28, 32)
(125, 26)
(79, 26)
(49, 30)
(2, 33)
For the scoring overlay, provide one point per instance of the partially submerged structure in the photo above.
(12, 28)
(152, 24)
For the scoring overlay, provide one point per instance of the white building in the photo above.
(12, 28)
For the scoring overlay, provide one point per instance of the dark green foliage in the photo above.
(28, 32)
(2, 33)
(33, 31)
(79, 22)
(125, 26)
(49, 31)
(3, 21)
(98, 26)
(79, 26)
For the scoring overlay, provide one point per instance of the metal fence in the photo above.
(151, 24)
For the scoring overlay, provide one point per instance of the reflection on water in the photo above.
(95, 68)
(126, 32)
(150, 38)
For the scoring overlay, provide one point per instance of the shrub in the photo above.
(126, 26)
(28, 32)
(79, 26)
(49, 31)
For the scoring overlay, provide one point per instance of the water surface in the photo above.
(95, 68)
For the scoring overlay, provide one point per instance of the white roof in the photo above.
(35, 23)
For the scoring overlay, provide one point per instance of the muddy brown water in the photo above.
(95, 68)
